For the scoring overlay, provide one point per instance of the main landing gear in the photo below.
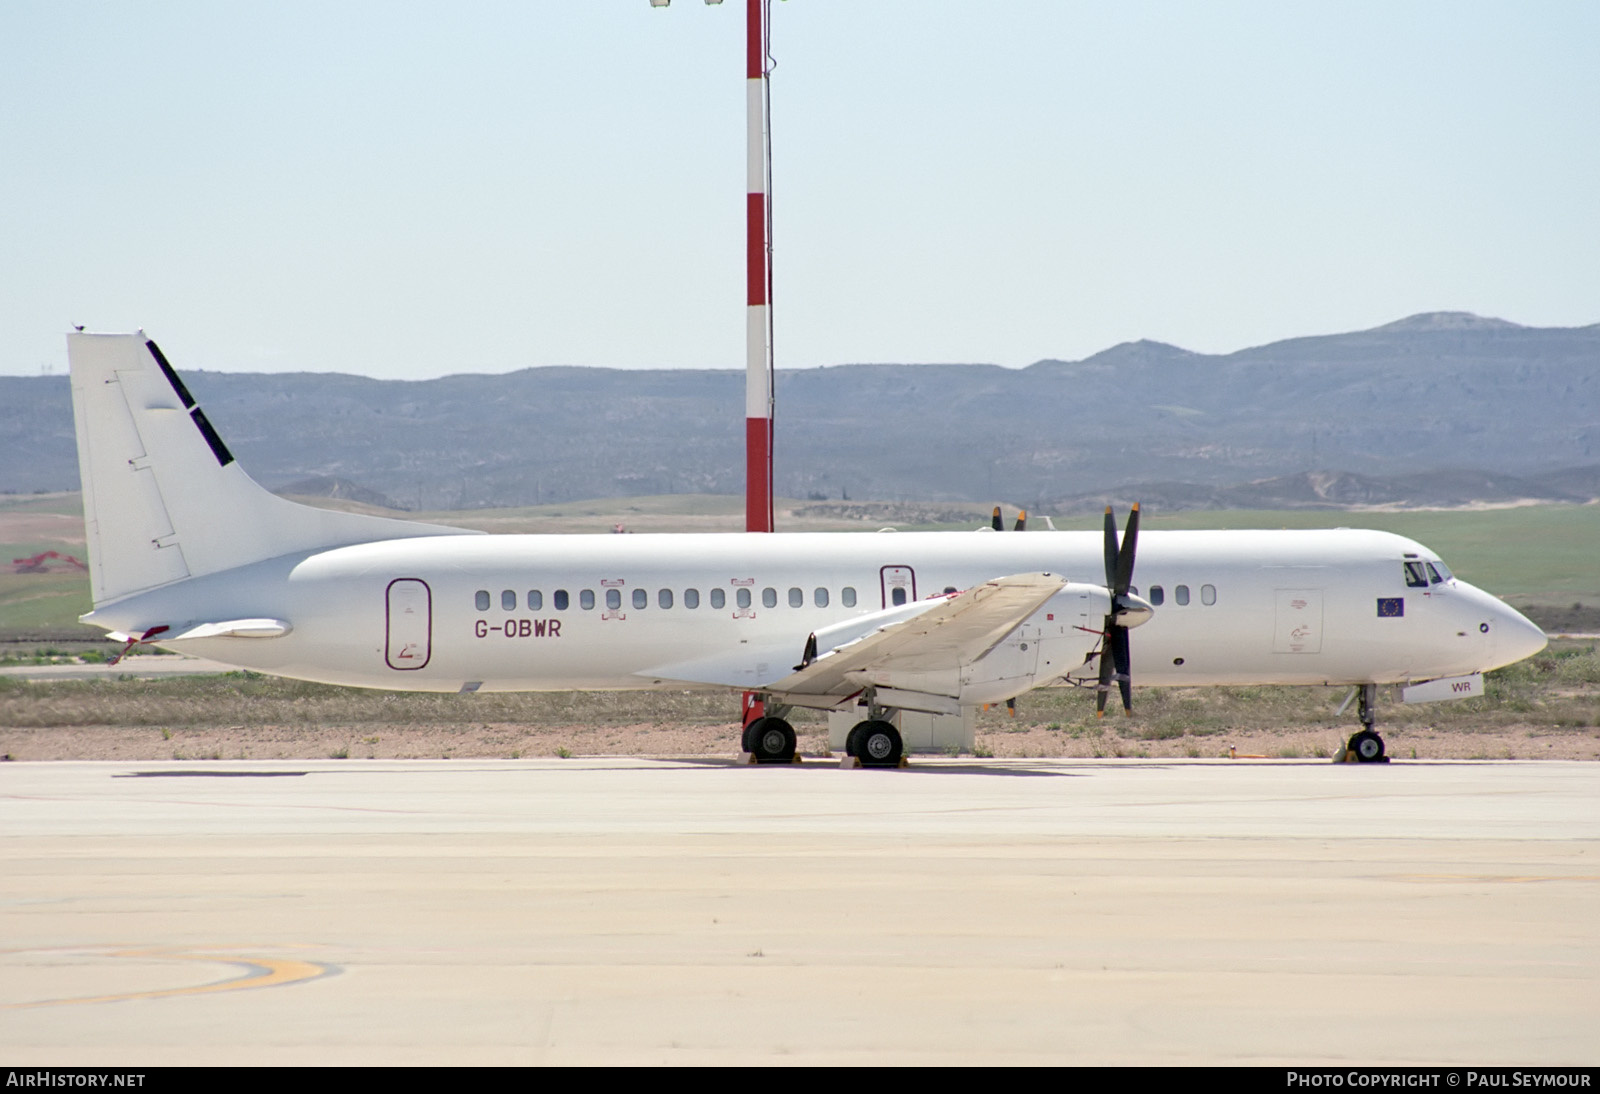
(1366, 746)
(876, 743)
(769, 740)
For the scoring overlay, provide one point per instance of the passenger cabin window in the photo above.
(847, 596)
(742, 597)
(641, 598)
(719, 598)
(691, 598)
(1416, 575)
(586, 600)
(1208, 594)
(508, 601)
(1181, 594)
(1158, 595)
(769, 597)
(535, 600)
(613, 599)
(820, 597)
(559, 599)
(482, 600)
(797, 599)
(664, 598)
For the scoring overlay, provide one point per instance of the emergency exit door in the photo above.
(899, 585)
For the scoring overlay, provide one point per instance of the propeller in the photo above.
(998, 523)
(1127, 611)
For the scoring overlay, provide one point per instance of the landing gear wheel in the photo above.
(877, 744)
(1366, 747)
(770, 740)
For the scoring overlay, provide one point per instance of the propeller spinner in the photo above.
(1127, 611)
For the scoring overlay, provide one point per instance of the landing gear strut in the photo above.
(1366, 746)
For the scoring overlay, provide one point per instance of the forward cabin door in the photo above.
(409, 624)
(1297, 621)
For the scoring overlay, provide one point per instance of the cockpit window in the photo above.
(1416, 575)
(1440, 571)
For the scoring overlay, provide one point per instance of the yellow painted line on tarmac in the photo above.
(264, 972)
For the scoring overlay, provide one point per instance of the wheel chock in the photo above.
(750, 758)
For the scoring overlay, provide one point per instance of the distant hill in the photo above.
(1394, 409)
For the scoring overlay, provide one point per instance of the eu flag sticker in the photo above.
(1391, 607)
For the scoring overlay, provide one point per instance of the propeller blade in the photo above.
(1130, 544)
(1119, 657)
(1111, 550)
(995, 522)
(1103, 688)
(1022, 521)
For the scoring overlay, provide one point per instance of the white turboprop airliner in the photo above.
(187, 552)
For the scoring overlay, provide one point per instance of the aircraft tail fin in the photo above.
(163, 497)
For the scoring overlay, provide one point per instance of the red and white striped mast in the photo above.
(758, 277)
(758, 270)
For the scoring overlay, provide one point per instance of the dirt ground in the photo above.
(516, 741)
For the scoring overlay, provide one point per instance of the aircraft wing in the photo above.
(940, 635)
(954, 633)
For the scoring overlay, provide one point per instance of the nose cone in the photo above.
(1519, 637)
(1133, 610)
(1512, 636)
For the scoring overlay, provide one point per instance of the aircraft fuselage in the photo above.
(528, 613)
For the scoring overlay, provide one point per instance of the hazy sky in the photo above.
(410, 190)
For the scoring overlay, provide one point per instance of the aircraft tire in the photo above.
(770, 740)
(1367, 747)
(878, 744)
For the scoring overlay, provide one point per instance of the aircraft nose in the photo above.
(1512, 635)
(1517, 636)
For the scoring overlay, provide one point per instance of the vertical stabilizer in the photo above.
(163, 497)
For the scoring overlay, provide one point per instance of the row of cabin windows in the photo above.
(1180, 594)
(561, 600)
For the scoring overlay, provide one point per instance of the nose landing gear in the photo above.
(1366, 746)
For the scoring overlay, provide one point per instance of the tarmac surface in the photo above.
(961, 911)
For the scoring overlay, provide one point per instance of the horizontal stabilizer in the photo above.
(232, 628)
